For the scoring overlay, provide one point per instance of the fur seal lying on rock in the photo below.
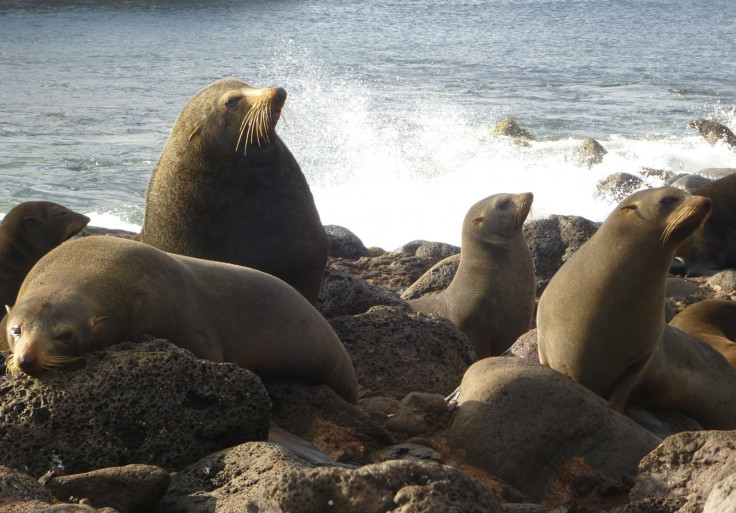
(227, 188)
(491, 297)
(97, 291)
(29, 231)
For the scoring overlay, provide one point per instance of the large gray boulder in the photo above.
(343, 294)
(223, 481)
(149, 402)
(524, 422)
(690, 466)
(553, 240)
(395, 352)
(399, 486)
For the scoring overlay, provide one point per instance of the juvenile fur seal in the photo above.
(714, 132)
(714, 322)
(712, 246)
(227, 188)
(601, 318)
(29, 231)
(491, 297)
(90, 293)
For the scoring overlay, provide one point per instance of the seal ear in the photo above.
(478, 221)
(7, 308)
(195, 132)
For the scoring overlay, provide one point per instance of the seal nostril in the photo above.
(280, 94)
(25, 363)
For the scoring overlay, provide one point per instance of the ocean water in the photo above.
(390, 103)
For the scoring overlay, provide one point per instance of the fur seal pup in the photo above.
(93, 292)
(601, 317)
(714, 132)
(491, 298)
(714, 322)
(712, 246)
(227, 188)
(29, 231)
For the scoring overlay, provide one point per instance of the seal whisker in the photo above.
(675, 222)
(11, 366)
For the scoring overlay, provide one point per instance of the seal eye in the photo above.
(668, 201)
(64, 337)
(15, 331)
(231, 103)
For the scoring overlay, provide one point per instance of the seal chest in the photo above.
(226, 188)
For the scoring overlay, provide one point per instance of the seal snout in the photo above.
(279, 97)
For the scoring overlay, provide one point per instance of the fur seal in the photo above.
(93, 292)
(714, 322)
(712, 246)
(29, 231)
(227, 188)
(601, 318)
(714, 132)
(491, 297)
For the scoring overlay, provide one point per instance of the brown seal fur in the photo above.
(601, 317)
(96, 291)
(712, 246)
(714, 132)
(491, 298)
(28, 232)
(714, 322)
(227, 188)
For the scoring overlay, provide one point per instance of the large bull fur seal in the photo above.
(227, 188)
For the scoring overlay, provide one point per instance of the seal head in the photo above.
(29, 231)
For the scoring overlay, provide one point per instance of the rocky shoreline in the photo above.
(148, 427)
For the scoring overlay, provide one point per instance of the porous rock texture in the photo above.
(221, 482)
(395, 352)
(553, 240)
(132, 488)
(149, 402)
(344, 243)
(398, 486)
(690, 466)
(394, 272)
(437, 278)
(17, 487)
(343, 294)
(524, 422)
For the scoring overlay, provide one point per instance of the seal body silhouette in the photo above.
(601, 318)
(29, 231)
(714, 322)
(96, 291)
(227, 188)
(491, 297)
(713, 245)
